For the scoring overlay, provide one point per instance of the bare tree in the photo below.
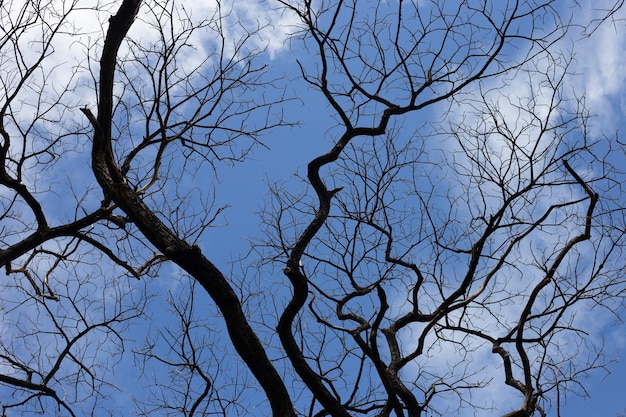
(443, 249)
(190, 112)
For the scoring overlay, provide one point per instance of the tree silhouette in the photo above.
(451, 242)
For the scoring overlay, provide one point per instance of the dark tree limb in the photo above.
(188, 257)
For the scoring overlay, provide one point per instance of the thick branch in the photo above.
(40, 236)
(188, 257)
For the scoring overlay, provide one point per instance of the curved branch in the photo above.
(188, 257)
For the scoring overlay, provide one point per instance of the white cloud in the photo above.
(601, 65)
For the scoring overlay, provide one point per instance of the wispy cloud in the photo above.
(600, 66)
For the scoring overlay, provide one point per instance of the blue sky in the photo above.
(600, 65)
